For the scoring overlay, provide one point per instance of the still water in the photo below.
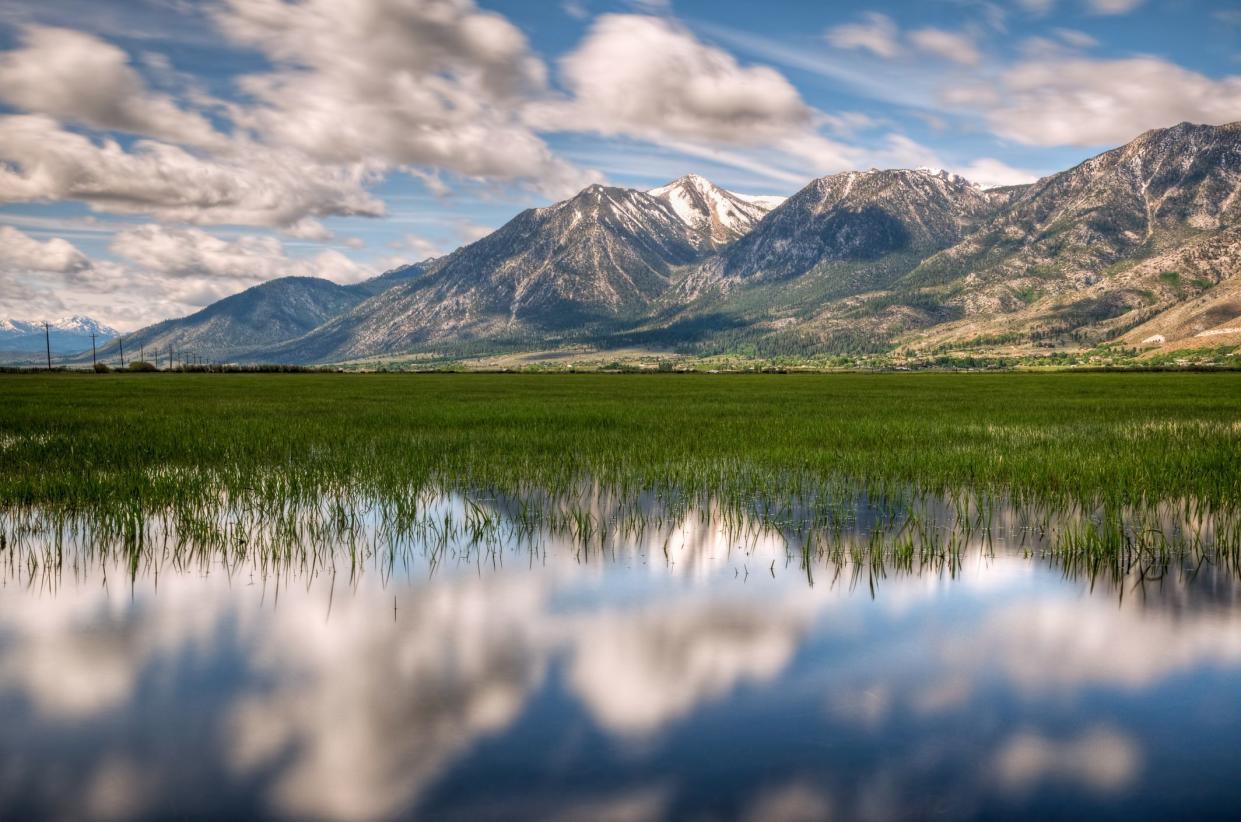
(692, 670)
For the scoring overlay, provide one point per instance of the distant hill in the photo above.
(257, 319)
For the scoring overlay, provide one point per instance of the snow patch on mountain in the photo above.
(77, 324)
(718, 216)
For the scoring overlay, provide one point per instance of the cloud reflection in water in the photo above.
(373, 700)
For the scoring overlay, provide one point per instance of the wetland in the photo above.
(620, 596)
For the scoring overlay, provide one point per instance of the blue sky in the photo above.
(156, 155)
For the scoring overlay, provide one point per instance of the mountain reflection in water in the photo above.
(688, 670)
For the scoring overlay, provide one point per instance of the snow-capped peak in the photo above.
(76, 324)
(80, 324)
(719, 215)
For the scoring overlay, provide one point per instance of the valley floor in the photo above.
(111, 441)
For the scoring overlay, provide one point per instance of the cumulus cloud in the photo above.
(78, 77)
(193, 253)
(959, 48)
(20, 251)
(172, 271)
(1098, 102)
(437, 84)
(109, 293)
(249, 185)
(32, 273)
(876, 34)
(160, 272)
(355, 90)
(649, 78)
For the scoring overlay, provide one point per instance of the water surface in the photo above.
(698, 666)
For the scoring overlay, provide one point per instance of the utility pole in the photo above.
(47, 337)
(92, 350)
(142, 352)
(120, 341)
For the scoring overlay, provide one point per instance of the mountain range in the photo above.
(69, 335)
(1140, 245)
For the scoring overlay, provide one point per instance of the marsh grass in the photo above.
(838, 541)
(1107, 474)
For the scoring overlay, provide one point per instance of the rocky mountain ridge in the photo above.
(716, 215)
(1137, 243)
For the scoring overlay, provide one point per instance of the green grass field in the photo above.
(83, 442)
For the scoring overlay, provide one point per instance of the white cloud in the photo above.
(33, 273)
(649, 78)
(356, 90)
(165, 272)
(468, 232)
(990, 173)
(1098, 102)
(422, 84)
(899, 151)
(248, 185)
(1113, 6)
(878, 35)
(77, 77)
(1102, 7)
(420, 247)
(108, 292)
(191, 253)
(20, 251)
(954, 46)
